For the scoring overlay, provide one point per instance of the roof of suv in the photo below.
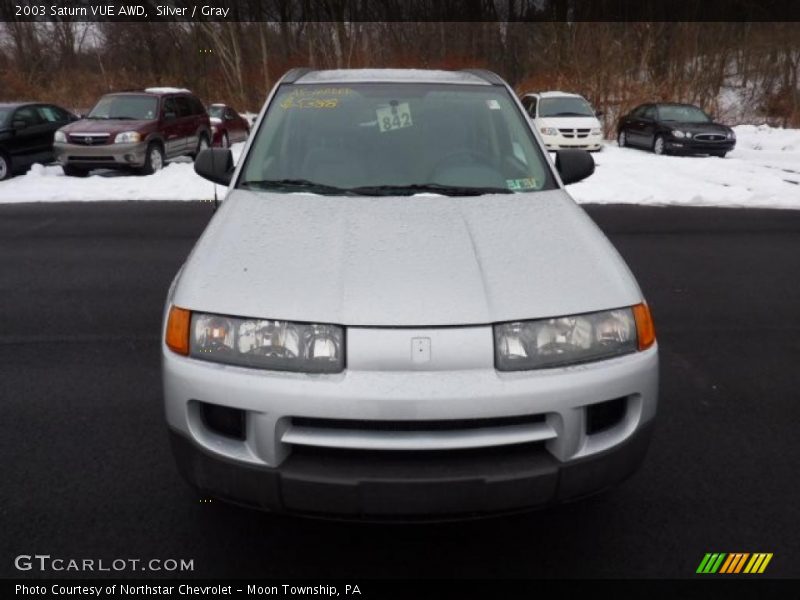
(396, 76)
(554, 94)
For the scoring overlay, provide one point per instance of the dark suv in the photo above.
(137, 130)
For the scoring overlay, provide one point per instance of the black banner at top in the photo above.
(399, 10)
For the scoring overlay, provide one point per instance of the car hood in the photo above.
(104, 125)
(568, 122)
(403, 261)
(698, 127)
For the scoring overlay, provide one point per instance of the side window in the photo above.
(526, 103)
(229, 114)
(184, 108)
(650, 112)
(169, 108)
(532, 111)
(29, 115)
(637, 112)
(52, 114)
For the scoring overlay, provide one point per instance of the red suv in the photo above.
(139, 130)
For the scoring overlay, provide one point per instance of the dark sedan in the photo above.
(227, 125)
(669, 128)
(26, 134)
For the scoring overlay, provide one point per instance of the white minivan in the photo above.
(564, 120)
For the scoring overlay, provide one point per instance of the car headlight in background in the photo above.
(547, 343)
(596, 131)
(731, 135)
(128, 137)
(549, 131)
(60, 137)
(677, 133)
(257, 343)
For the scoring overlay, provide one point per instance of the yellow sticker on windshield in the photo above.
(309, 102)
(394, 116)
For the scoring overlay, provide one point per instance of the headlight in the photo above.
(595, 131)
(549, 131)
(546, 343)
(128, 137)
(60, 137)
(677, 133)
(731, 135)
(265, 344)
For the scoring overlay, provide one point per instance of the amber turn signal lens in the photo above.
(177, 336)
(645, 329)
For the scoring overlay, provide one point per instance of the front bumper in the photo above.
(690, 146)
(101, 156)
(560, 142)
(411, 486)
(286, 464)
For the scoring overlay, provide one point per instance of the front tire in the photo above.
(6, 169)
(153, 160)
(659, 147)
(622, 139)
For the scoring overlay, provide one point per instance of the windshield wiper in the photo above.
(433, 188)
(97, 118)
(301, 185)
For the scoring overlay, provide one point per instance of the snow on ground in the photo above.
(763, 171)
(176, 181)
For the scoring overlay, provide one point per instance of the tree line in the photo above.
(616, 65)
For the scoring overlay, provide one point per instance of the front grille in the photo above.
(89, 139)
(574, 133)
(437, 425)
(710, 137)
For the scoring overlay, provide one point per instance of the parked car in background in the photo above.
(565, 120)
(671, 128)
(399, 311)
(227, 126)
(26, 134)
(139, 130)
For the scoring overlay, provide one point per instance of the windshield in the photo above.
(4, 112)
(395, 139)
(216, 111)
(125, 107)
(565, 106)
(682, 114)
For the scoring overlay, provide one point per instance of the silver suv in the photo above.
(399, 312)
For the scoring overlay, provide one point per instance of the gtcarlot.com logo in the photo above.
(732, 563)
(45, 562)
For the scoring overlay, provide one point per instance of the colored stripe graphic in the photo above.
(734, 562)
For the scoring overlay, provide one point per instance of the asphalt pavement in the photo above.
(87, 470)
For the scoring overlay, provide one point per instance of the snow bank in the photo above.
(176, 181)
(762, 172)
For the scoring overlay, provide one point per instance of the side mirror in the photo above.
(215, 164)
(574, 165)
(19, 124)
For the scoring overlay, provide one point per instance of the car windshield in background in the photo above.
(125, 107)
(395, 139)
(564, 106)
(4, 112)
(682, 114)
(216, 111)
